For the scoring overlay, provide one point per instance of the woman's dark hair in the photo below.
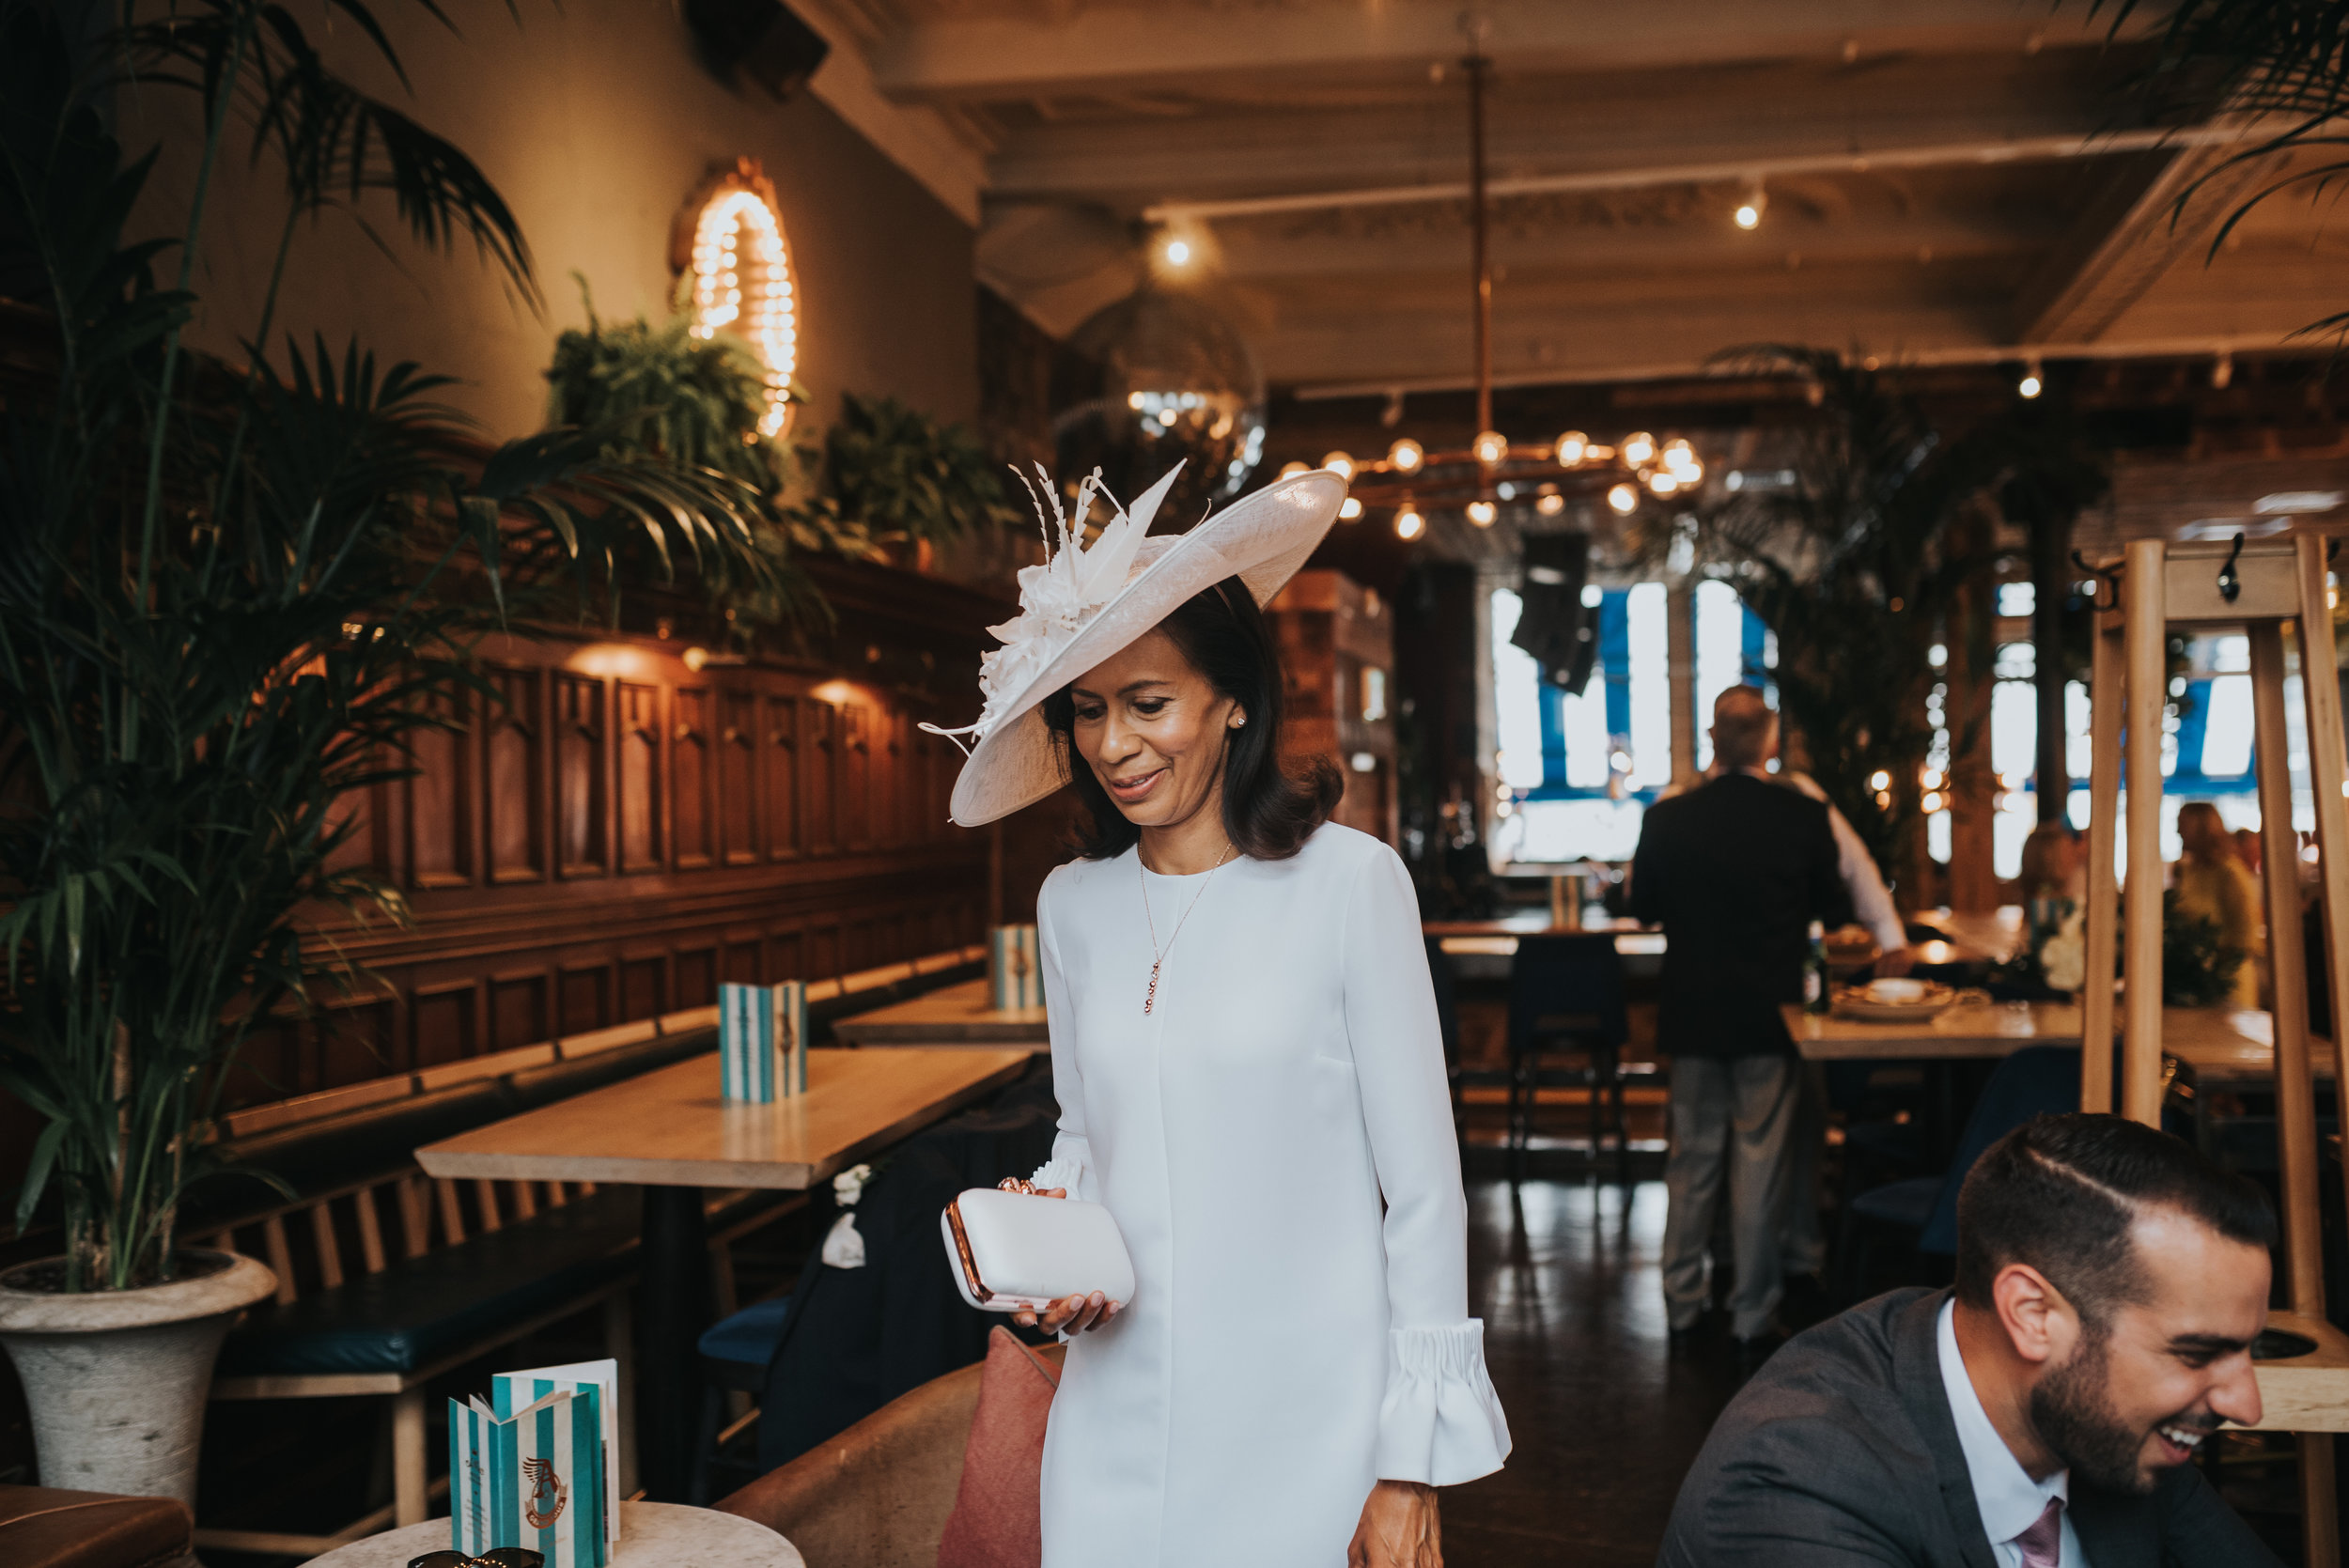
(1269, 810)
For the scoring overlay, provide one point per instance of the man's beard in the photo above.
(2075, 1419)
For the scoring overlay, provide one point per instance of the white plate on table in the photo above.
(1894, 1002)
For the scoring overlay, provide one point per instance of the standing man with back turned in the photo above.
(1736, 871)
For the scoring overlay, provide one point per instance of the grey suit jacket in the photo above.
(1842, 1451)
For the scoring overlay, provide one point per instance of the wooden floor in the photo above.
(1605, 1413)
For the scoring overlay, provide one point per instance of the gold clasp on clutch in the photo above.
(1013, 1184)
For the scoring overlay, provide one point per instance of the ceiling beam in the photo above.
(2029, 149)
(1100, 50)
(2120, 250)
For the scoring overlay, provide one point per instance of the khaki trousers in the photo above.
(1733, 1123)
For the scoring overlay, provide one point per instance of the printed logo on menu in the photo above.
(547, 1494)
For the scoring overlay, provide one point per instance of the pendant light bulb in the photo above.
(1406, 456)
(1408, 525)
(1491, 446)
(1338, 464)
(1290, 470)
(1571, 448)
(1639, 449)
(1482, 513)
(1624, 499)
(1751, 206)
(2032, 384)
(1350, 508)
(1551, 504)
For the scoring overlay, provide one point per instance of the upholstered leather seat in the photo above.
(877, 1495)
(421, 1310)
(42, 1526)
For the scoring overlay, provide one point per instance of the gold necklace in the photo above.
(1157, 954)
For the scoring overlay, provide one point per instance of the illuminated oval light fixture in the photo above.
(1490, 447)
(1350, 509)
(1482, 513)
(1638, 448)
(1339, 463)
(1570, 448)
(741, 270)
(1624, 499)
(1406, 455)
(1408, 525)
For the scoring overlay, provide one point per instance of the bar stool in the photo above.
(2259, 587)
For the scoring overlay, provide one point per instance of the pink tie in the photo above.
(2042, 1545)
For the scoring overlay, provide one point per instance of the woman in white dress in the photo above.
(1251, 1078)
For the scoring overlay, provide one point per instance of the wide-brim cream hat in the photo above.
(1084, 604)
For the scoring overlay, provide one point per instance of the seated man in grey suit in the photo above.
(2109, 1283)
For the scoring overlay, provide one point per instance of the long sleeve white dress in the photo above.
(1275, 1140)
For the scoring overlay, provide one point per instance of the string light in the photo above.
(1338, 464)
(1490, 447)
(1288, 470)
(1639, 449)
(1663, 481)
(1482, 513)
(1350, 509)
(1551, 504)
(1408, 525)
(742, 283)
(1624, 499)
(1406, 455)
(1571, 447)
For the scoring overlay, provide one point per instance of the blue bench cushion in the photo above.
(749, 1335)
(422, 1311)
(1907, 1204)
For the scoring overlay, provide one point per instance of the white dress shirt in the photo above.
(1871, 900)
(2010, 1503)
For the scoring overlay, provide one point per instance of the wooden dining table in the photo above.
(952, 1015)
(671, 1132)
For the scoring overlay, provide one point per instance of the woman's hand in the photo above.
(1399, 1528)
(1073, 1314)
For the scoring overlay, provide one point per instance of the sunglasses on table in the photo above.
(496, 1557)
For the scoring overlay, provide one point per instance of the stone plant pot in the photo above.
(117, 1381)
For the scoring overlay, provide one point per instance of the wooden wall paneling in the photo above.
(644, 985)
(353, 1041)
(822, 776)
(898, 791)
(636, 766)
(786, 954)
(518, 1014)
(582, 997)
(745, 962)
(786, 837)
(514, 774)
(444, 1022)
(696, 969)
(692, 835)
(823, 952)
(738, 747)
(439, 797)
(583, 804)
(854, 791)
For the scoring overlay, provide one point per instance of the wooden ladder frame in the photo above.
(2275, 582)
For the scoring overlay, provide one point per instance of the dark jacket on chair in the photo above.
(1842, 1452)
(1736, 871)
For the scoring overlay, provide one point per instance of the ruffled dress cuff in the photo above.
(1441, 1423)
(1059, 1172)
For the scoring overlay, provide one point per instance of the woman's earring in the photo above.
(1240, 722)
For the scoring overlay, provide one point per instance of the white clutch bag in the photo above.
(1010, 1249)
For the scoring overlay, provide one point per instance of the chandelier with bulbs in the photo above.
(1412, 480)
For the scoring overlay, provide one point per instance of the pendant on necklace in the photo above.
(1150, 997)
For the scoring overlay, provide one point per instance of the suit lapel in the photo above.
(2115, 1532)
(1917, 1363)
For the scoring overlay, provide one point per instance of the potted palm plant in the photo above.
(230, 594)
